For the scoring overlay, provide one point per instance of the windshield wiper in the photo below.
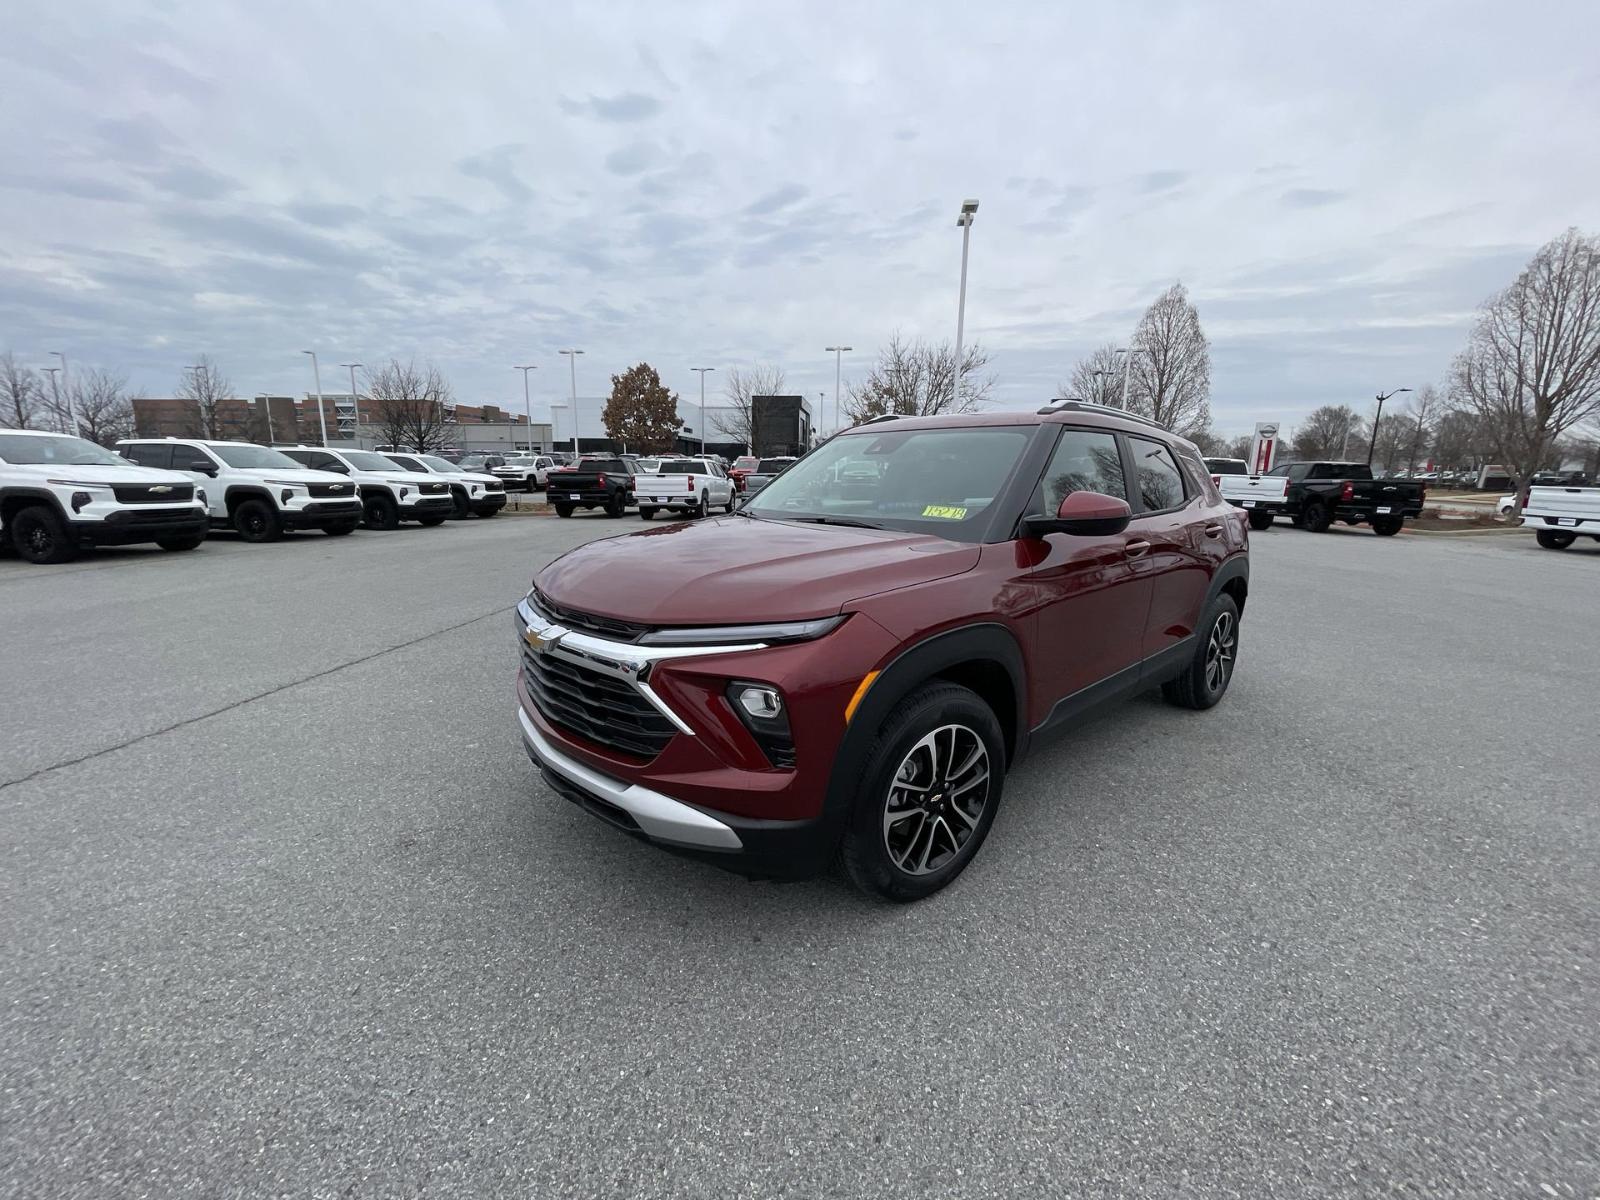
(851, 522)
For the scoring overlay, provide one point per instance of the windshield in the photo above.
(63, 450)
(939, 481)
(443, 465)
(254, 457)
(471, 462)
(772, 466)
(366, 460)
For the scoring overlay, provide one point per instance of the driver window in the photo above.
(1085, 460)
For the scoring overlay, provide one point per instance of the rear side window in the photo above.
(1085, 460)
(1199, 476)
(147, 455)
(1160, 481)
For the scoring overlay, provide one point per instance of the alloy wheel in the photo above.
(1220, 651)
(39, 541)
(936, 800)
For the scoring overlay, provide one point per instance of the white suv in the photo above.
(389, 494)
(59, 493)
(530, 471)
(472, 491)
(259, 493)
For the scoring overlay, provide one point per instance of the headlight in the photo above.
(288, 483)
(714, 635)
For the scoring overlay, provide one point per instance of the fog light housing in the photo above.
(80, 500)
(287, 495)
(200, 494)
(760, 707)
(404, 492)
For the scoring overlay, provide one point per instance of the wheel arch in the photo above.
(236, 496)
(1233, 580)
(14, 499)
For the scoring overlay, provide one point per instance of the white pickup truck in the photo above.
(1262, 496)
(1559, 516)
(690, 485)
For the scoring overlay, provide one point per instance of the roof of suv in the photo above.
(1056, 412)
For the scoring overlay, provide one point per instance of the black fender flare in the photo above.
(911, 667)
(234, 496)
(31, 493)
(1234, 568)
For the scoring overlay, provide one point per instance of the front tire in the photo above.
(1316, 518)
(40, 536)
(1205, 680)
(179, 544)
(380, 512)
(1260, 521)
(342, 529)
(430, 522)
(1550, 539)
(485, 514)
(928, 796)
(257, 521)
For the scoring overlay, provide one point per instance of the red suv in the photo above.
(847, 666)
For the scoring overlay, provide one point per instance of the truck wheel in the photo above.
(1550, 539)
(40, 537)
(646, 513)
(342, 529)
(430, 522)
(486, 513)
(1206, 678)
(1260, 521)
(704, 507)
(616, 506)
(1316, 518)
(1387, 526)
(188, 542)
(463, 506)
(563, 510)
(728, 507)
(257, 521)
(380, 512)
(928, 795)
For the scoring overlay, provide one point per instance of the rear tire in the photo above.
(380, 512)
(257, 521)
(1387, 526)
(40, 536)
(1550, 539)
(616, 507)
(935, 837)
(702, 509)
(728, 507)
(1316, 518)
(563, 510)
(646, 513)
(178, 545)
(1260, 521)
(1205, 680)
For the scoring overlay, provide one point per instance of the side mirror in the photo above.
(1083, 514)
(203, 465)
(338, 468)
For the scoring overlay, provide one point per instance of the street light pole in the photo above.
(702, 371)
(969, 210)
(355, 404)
(1127, 370)
(72, 406)
(55, 388)
(316, 375)
(838, 351)
(527, 403)
(1372, 442)
(572, 357)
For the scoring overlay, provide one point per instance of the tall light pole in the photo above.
(316, 374)
(572, 357)
(1127, 369)
(355, 403)
(969, 211)
(1373, 440)
(838, 351)
(72, 406)
(526, 402)
(702, 372)
(55, 388)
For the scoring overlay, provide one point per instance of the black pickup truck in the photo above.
(1321, 493)
(592, 483)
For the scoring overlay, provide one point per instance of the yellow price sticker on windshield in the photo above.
(945, 511)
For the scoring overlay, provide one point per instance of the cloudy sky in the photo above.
(718, 184)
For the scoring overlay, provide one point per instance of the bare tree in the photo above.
(1097, 377)
(1458, 440)
(1418, 420)
(1330, 432)
(105, 410)
(221, 414)
(1531, 369)
(1239, 447)
(21, 397)
(738, 387)
(1171, 381)
(410, 405)
(917, 379)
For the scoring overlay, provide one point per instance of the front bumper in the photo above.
(488, 502)
(132, 525)
(426, 506)
(319, 514)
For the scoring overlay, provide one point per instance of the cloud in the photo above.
(783, 197)
(1160, 181)
(1311, 197)
(495, 167)
(632, 158)
(624, 107)
(191, 180)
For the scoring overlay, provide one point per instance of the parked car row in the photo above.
(60, 494)
(1314, 495)
(693, 485)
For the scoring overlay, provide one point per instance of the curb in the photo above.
(1462, 532)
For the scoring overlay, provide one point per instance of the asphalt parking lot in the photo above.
(286, 912)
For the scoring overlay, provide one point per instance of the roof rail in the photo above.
(1075, 405)
(881, 418)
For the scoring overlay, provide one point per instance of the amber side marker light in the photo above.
(850, 709)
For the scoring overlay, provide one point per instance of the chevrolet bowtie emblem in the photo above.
(160, 489)
(537, 640)
(338, 487)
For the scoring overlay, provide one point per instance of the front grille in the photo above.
(331, 489)
(433, 489)
(606, 627)
(497, 486)
(159, 517)
(328, 508)
(594, 706)
(146, 494)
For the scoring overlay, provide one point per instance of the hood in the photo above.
(478, 477)
(731, 570)
(130, 475)
(293, 475)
